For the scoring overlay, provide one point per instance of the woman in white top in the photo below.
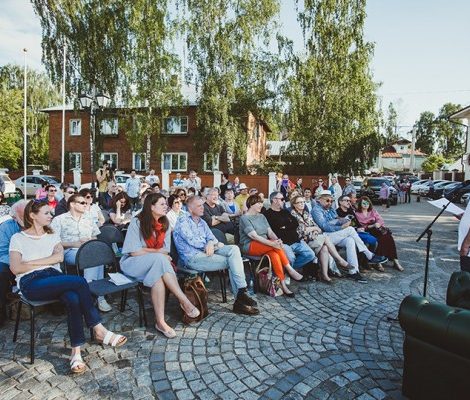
(92, 209)
(35, 254)
(176, 210)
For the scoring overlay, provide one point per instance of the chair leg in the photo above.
(223, 287)
(17, 323)
(142, 314)
(32, 314)
(123, 300)
(255, 282)
(92, 334)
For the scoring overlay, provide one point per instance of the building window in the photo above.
(215, 163)
(176, 125)
(109, 126)
(75, 127)
(175, 161)
(112, 158)
(75, 160)
(138, 161)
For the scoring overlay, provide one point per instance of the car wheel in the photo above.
(19, 192)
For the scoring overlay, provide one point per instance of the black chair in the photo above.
(95, 253)
(110, 234)
(105, 215)
(32, 314)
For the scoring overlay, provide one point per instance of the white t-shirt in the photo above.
(34, 248)
(464, 226)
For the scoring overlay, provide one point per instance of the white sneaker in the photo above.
(103, 305)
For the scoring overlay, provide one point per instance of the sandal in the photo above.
(398, 266)
(170, 333)
(193, 314)
(118, 341)
(77, 366)
(379, 267)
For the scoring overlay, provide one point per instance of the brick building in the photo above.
(176, 149)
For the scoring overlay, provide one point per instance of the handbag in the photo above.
(380, 231)
(266, 281)
(196, 292)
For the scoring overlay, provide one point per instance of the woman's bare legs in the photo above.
(334, 253)
(157, 293)
(324, 257)
(293, 273)
(172, 284)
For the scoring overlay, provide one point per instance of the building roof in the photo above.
(417, 152)
(391, 155)
(276, 147)
(461, 114)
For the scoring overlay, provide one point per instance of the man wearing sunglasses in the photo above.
(68, 190)
(75, 227)
(343, 235)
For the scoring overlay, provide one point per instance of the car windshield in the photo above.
(51, 179)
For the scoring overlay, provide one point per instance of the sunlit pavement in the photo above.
(328, 342)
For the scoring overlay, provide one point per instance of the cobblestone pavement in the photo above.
(330, 342)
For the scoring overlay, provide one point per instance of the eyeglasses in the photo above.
(88, 196)
(80, 202)
(328, 200)
(347, 200)
(300, 202)
(73, 192)
(177, 202)
(52, 190)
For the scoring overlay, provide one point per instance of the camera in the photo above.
(350, 217)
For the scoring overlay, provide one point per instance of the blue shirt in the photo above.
(7, 230)
(327, 220)
(133, 187)
(191, 237)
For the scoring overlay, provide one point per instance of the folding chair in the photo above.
(95, 253)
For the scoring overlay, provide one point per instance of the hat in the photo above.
(325, 193)
(242, 186)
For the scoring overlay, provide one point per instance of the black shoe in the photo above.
(243, 298)
(240, 308)
(357, 277)
(378, 260)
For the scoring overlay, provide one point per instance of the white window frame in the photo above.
(109, 156)
(73, 160)
(179, 169)
(180, 117)
(215, 164)
(144, 162)
(77, 123)
(109, 126)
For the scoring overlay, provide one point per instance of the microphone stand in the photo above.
(428, 232)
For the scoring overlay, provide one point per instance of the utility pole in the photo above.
(413, 144)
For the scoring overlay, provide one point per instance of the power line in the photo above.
(425, 92)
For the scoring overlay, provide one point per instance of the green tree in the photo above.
(391, 124)
(450, 136)
(434, 163)
(227, 42)
(426, 132)
(332, 102)
(40, 94)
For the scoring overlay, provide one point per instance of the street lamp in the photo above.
(92, 103)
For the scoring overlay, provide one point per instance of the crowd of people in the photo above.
(300, 229)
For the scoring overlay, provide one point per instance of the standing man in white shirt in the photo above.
(151, 178)
(132, 189)
(193, 181)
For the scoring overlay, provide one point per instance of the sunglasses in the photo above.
(52, 190)
(80, 202)
(88, 196)
(300, 202)
(328, 201)
(70, 192)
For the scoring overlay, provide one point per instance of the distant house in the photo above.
(180, 149)
(463, 117)
(397, 157)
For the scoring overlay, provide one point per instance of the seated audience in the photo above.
(61, 208)
(51, 197)
(92, 209)
(199, 249)
(229, 205)
(225, 184)
(309, 201)
(74, 228)
(7, 229)
(349, 188)
(284, 225)
(106, 198)
(319, 243)
(35, 254)
(258, 239)
(215, 215)
(372, 222)
(151, 178)
(41, 192)
(179, 182)
(120, 213)
(146, 257)
(343, 235)
(241, 197)
(176, 210)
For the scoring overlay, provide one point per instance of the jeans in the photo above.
(90, 274)
(369, 240)
(134, 202)
(50, 284)
(299, 254)
(227, 256)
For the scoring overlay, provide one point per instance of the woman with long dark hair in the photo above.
(35, 254)
(146, 257)
(120, 213)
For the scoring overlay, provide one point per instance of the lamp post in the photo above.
(92, 103)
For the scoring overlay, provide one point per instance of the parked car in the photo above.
(120, 180)
(439, 191)
(455, 194)
(10, 188)
(371, 188)
(357, 185)
(415, 189)
(425, 190)
(465, 198)
(34, 182)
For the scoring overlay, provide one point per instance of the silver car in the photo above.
(34, 182)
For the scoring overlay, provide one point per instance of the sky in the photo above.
(421, 59)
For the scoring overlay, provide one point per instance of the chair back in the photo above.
(110, 234)
(94, 253)
(105, 215)
(173, 252)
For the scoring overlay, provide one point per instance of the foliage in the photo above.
(391, 125)
(434, 163)
(40, 94)
(426, 132)
(450, 136)
(332, 100)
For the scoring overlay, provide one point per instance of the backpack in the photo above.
(197, 294)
